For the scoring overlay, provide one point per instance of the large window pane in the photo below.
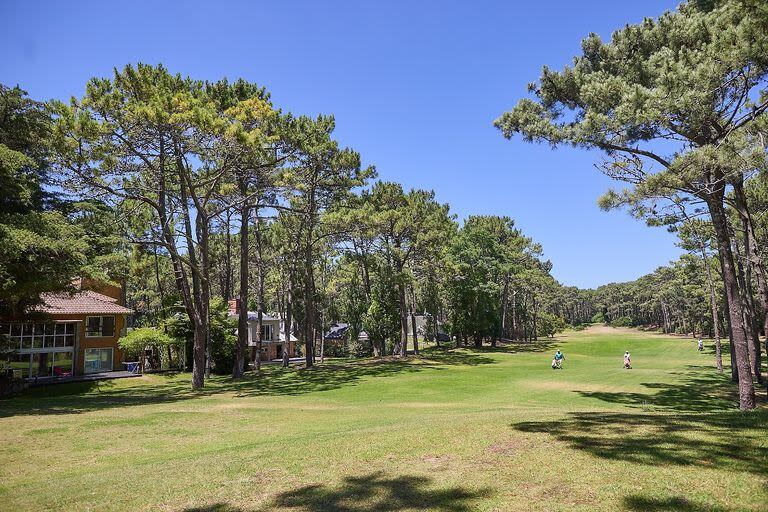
(108, 326)
(62, 364)
(98, 360)
(20, 365)
(37, 335)
(42, 365)
(93, 326)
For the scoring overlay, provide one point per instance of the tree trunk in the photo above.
(757, 268)
(403, 316)
(504, 300)
(288, 319)
(322, 339)
(413, 323)
(242, 301)
(226, 289)
(713, 306)
(735, 306)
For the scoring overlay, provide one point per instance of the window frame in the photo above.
(88, 334)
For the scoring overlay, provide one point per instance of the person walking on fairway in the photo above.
(557, 362)
(701, 345)
(627, 361)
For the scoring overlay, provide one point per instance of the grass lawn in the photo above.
(457, 430)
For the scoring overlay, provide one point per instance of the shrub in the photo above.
(223, 339)
(135, 342)
(623, 321)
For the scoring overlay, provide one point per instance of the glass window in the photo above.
(20, 365)
(42, 365)
(62, 364)
(100, 326)
(98, 360)
(37, 336)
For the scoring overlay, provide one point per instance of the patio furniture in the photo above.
(132, 367)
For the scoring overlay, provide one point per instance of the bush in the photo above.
(598, 318)
(223, 339)
(624, 321)
(549, 324)
(135, 342)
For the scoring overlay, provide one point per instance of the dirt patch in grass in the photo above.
(437, 461)
(512, 446)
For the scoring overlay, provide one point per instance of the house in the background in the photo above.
(423, 325)
(337, 335)
(338, 332)
(68, 334)
(272, 334)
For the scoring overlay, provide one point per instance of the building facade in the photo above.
(273, 340)
(67, 335)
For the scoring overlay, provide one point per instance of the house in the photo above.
(68, 334)
(337, 333)
(272, 334)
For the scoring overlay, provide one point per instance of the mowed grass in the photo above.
(456, 430)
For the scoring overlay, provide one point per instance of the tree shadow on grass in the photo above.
(699, 390)
(375, 492)
(333, 375)
(726, 440)
(216, 507)
(378, 492)
(80, 397)
(678, 503)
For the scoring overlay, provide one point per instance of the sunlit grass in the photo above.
(452, 430)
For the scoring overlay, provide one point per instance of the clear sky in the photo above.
(414, 86)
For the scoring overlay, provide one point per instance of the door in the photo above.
(98, 360)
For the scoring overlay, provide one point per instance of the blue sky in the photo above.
(414, 86)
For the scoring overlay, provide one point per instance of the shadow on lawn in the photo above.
(728, 439)
(87, 396)
(700, 390)
(375, 492)
(680, 504)
(379, 493)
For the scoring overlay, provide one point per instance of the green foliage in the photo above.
(548, 324)
(382, 320)
(40, 250)
(623, 321)
(223, 340)
(598, 318)
(136, 341)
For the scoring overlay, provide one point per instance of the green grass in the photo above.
(453, 430)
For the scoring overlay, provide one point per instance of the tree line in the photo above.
(191, 193)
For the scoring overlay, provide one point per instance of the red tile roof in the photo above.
(84, 302)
